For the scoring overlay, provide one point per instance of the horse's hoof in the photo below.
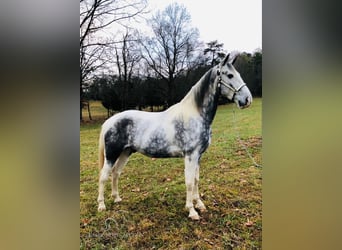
(116, 200)
(101, 208)
(202, 210)
(195, 217)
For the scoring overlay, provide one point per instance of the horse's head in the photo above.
(231, 84)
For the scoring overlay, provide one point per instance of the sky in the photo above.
(236, 23)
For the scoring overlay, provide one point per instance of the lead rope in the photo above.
(240, 141)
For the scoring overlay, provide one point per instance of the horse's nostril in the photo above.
(244, 103)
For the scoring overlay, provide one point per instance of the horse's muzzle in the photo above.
(244, 103)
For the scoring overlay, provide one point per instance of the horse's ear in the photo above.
(234, 59)
(225, 60)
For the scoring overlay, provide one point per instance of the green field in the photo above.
(152, 214)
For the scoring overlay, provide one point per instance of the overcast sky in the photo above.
(236, 23)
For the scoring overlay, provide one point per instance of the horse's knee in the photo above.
(189, 185)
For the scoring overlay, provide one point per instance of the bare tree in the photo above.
(96, 16)
(127, 58)
(171, 48)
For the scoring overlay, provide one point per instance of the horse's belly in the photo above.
(165, 151)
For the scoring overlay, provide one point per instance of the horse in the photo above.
(182, 130)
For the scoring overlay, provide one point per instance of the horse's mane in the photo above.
(201, 88)
(198, 91)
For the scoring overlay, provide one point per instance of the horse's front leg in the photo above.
(190, 172)
(199, 204)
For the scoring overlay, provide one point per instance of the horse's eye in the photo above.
(230, 76)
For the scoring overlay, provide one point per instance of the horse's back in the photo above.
(126, 117)
(129, 124)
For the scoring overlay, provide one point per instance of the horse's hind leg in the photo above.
(104, 174)
(199, 204)
(117, 169)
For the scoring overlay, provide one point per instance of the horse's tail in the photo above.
(101, 149)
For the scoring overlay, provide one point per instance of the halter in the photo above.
(221, 81)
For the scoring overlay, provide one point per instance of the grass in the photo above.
(97, 111)
(152, 214)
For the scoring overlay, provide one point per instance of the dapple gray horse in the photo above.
(183, 130)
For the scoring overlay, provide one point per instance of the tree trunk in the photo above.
(171, 94)
(81, 117)
(88, 104)
(81, 101)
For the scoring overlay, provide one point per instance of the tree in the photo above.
(257, 68)
(216, 50)
(127, 58)
(171, 49)
(110, 89)
(95, 16)
(250, 68)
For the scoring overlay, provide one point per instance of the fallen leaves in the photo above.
(145, 224)
(209, 241)
(137, 189)
(85, 222)
(167, 179)
(249, 223)
(242, 182)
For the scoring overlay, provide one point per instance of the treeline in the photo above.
(149, 92)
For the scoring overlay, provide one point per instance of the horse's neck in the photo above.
(203, 96)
